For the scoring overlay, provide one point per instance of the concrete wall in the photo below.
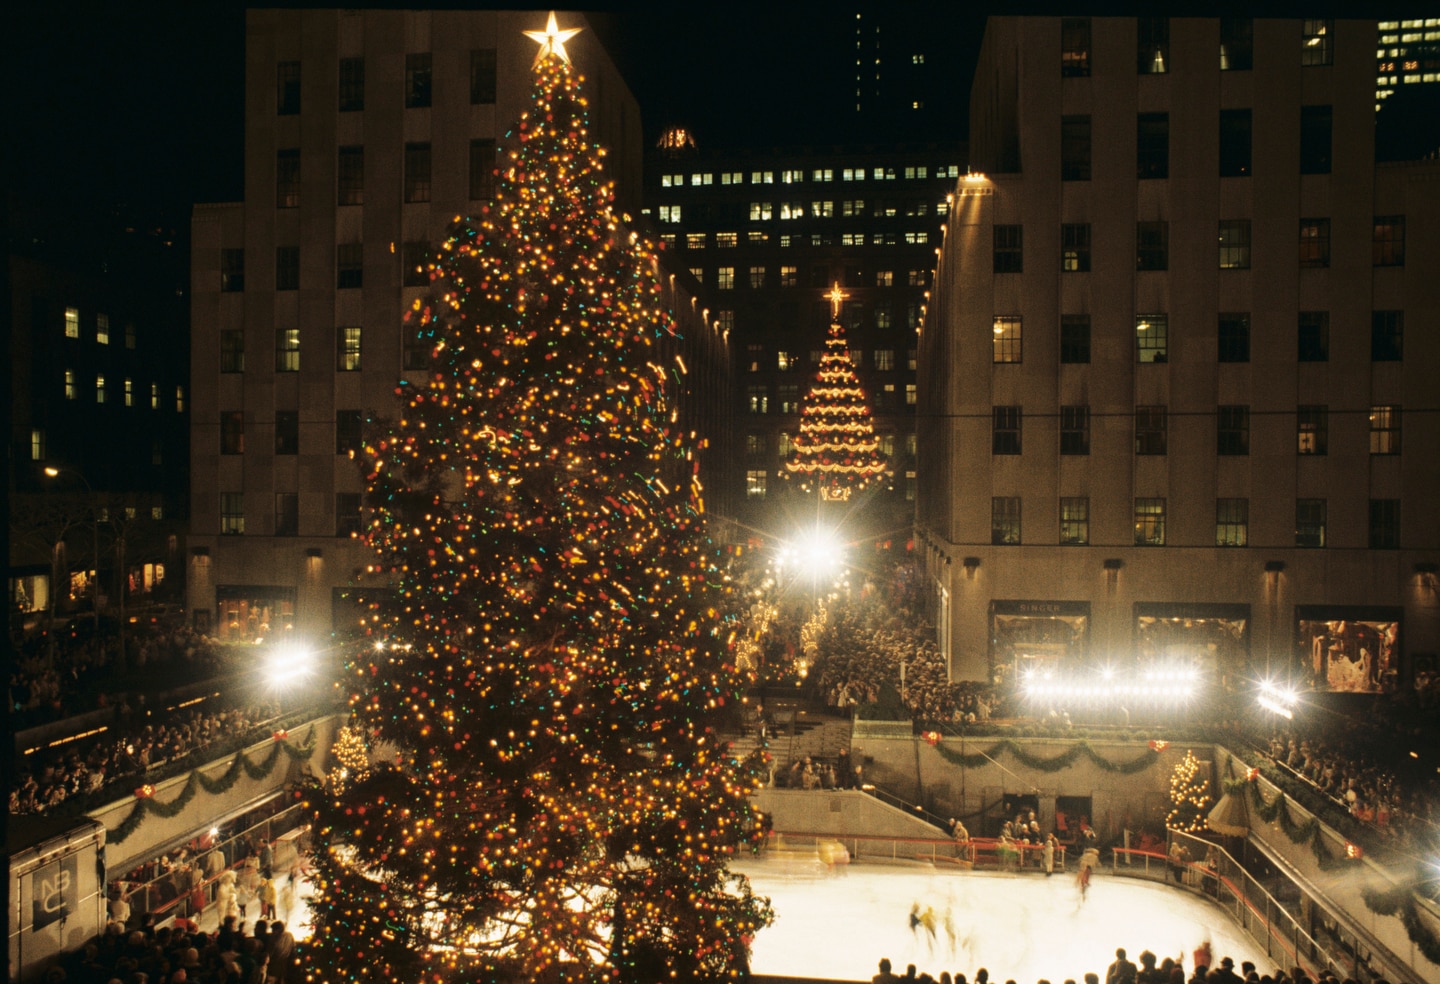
(838, 811)
(156, 833)
(919, 773)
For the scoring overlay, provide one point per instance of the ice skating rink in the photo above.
(837, 922)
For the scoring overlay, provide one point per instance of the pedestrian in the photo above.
(885, 976)
(1047, 854)
(267, 899)
(1122, 971)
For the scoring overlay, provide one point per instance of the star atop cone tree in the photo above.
(543, 684)
(836, 451)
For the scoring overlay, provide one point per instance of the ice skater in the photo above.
(915, 919)
(927, 919)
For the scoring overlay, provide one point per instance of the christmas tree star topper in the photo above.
(836, 295)
(552, 40)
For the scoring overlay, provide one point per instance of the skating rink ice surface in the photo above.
(837, 922)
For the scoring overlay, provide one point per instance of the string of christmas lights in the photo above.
(1189, 796)
(836, 450)
(550, 665)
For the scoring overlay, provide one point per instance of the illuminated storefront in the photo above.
(1213, 640)
(1037, 635)
(1348, 650)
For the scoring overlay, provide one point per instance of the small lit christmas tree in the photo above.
(1190, 796)
(351, 755)
(550, 670)
(836, 451)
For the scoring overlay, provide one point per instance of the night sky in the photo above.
(137, 107)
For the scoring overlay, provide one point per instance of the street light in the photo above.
(54, 472)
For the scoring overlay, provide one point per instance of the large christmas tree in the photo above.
(836, 451)
(547, 679)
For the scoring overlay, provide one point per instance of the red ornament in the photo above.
(931, 737)
(280, 735)
(1158, 745)
(145, 792)
(1252, 775)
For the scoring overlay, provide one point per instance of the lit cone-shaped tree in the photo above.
(1189, 796)
(548, 669)
(836, 451)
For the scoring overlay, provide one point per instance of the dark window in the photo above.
(350, 176)
(1234, 143)
(232, 432)
(1075, 248)
(287, 514)
(1314, 139)
(482, 170)
(1075, 148)
(1075, 338)
(417, 80)
(232, 513)
(232, 270)
(1232, 430)
(1234, 244)
(1237, 44)
(416, 354)
(1074, 521)
(1313, 339)
(1312, 429)
(287, 349)
(417, 172)
(1151, 430)
(1152, 338)
(347, 508)
(1310, 522)
(1384, 524)
(287, 267)
(287, 88)
(1005, 433)
(1232, 522)
(232, 350)
(1314, 242)
(415, 258)
(1387, 336)
(1388, 244)
(347, 431)
(1075, 47)
(1152, 45)
(1152, 246)
(352, 84)
(1152, 145)
(1008, 249)
(1005, 521)
(482, 75)
(1149, 522)
(1315, 45)
(349, 266)
(1075, 430)
(1233, 338)
(287, 432)
(287, 178)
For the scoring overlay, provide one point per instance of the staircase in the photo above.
(802, 730)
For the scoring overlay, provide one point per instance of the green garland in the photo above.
(223, 783)
(1064, 760)
(1398, 901)
(1311, 830)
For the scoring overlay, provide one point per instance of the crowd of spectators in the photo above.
(126, 753)
(62, 672)
(182, 954)
(1151, 970)
(1359, 770)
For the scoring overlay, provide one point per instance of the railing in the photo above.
(170, 896)
(1236, 890)
(985, 853)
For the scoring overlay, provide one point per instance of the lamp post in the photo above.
(54, 472)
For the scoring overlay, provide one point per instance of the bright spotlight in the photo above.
(1277, 700)
(288, 663)
(819, 553)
